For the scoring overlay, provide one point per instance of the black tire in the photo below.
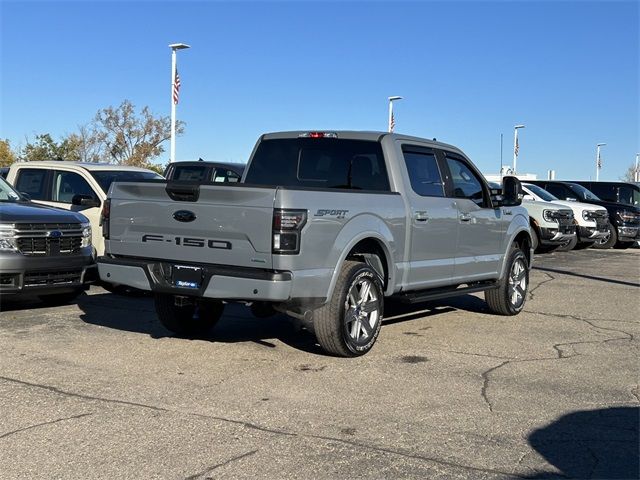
(195, 319)
(608, 241)
(570, 245)
(535, 239)
(624, 245)
(509, 298)
(342, 326)
(61, 298)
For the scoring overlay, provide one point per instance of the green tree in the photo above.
(129, 138)
(7, 155)
(43, 147)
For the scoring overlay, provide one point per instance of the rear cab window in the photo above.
(194, 173)
(330, 163)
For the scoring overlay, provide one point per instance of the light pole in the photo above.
(516, 147)
(174, 95)
(392, 120)
(598, 161)
(636, 172)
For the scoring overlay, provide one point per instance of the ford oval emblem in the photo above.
(184, 216)
(54, 234)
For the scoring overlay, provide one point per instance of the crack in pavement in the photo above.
(227, 462)
(353, 443)
(51, 422)
(550, 279)
(557, 347)
(485, 383)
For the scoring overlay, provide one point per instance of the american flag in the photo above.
(392, 123)
(176, 88)
(599, 161)
(517, 147)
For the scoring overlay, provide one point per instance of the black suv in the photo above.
(624, 220)
(618, 192)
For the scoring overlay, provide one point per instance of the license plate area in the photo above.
(186, 276)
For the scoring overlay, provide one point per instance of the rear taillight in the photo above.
(104, 218)
(287, 225)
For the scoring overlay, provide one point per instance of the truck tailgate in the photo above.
(225, 225)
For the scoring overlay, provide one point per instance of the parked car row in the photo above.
(321, 226)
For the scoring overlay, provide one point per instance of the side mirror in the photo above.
(511, 192)
(85, 201)
(25, 196)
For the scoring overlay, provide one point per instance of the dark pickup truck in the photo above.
(44, 251)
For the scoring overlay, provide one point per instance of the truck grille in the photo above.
(565, 220)
(48, 239)
(64, 277)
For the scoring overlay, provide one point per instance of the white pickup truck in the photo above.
(323, 226)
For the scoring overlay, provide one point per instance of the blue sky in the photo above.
(468, 71)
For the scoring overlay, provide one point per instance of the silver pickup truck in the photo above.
(323, 226)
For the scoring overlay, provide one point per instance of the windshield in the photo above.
(583, 193)
(7, 193)
(540, 192)
(106, 177)
(629, 195)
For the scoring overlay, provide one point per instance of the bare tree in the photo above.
(129, 138)
(629, 175)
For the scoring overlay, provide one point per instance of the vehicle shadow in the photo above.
(599, 443)
(137, 315)
(10, 304)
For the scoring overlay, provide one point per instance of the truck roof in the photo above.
(360, 135)
(85, 165)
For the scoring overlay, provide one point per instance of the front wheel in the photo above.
(511, 294)
(609, 240)
(197, 318)
(349, 323)
(570, 245)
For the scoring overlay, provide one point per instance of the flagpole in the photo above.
(172, 156)
(174, 48)
(391, 119)
(515, 146)
(598, 161)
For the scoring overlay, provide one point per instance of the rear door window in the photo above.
(33, 181)
(319, 163)
(424, 174)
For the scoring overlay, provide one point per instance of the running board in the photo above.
(445, 292)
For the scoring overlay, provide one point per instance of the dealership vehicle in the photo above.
(591, 221)
(322, 227)
(44, 251)
(204, 171)
(627, 193)
(624, 220)
(76, 186)
(4, 171)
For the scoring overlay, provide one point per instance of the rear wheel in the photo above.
(609, 240)
(510, 296)
(535, 239)
(197, 318)
(349, 323)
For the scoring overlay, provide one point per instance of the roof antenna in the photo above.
(200, 159)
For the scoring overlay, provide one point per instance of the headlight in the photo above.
(86, 234)
(8, 238)
(587, 215)
(548, 215)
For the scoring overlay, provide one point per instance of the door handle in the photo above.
(507, 212)
(421, 216)
(465, 217)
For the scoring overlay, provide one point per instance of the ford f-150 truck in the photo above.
(322, 227)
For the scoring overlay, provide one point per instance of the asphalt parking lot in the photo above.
(98, 389)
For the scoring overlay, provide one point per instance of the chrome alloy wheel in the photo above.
(517, 283)
(605, 239)
(362, 311)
